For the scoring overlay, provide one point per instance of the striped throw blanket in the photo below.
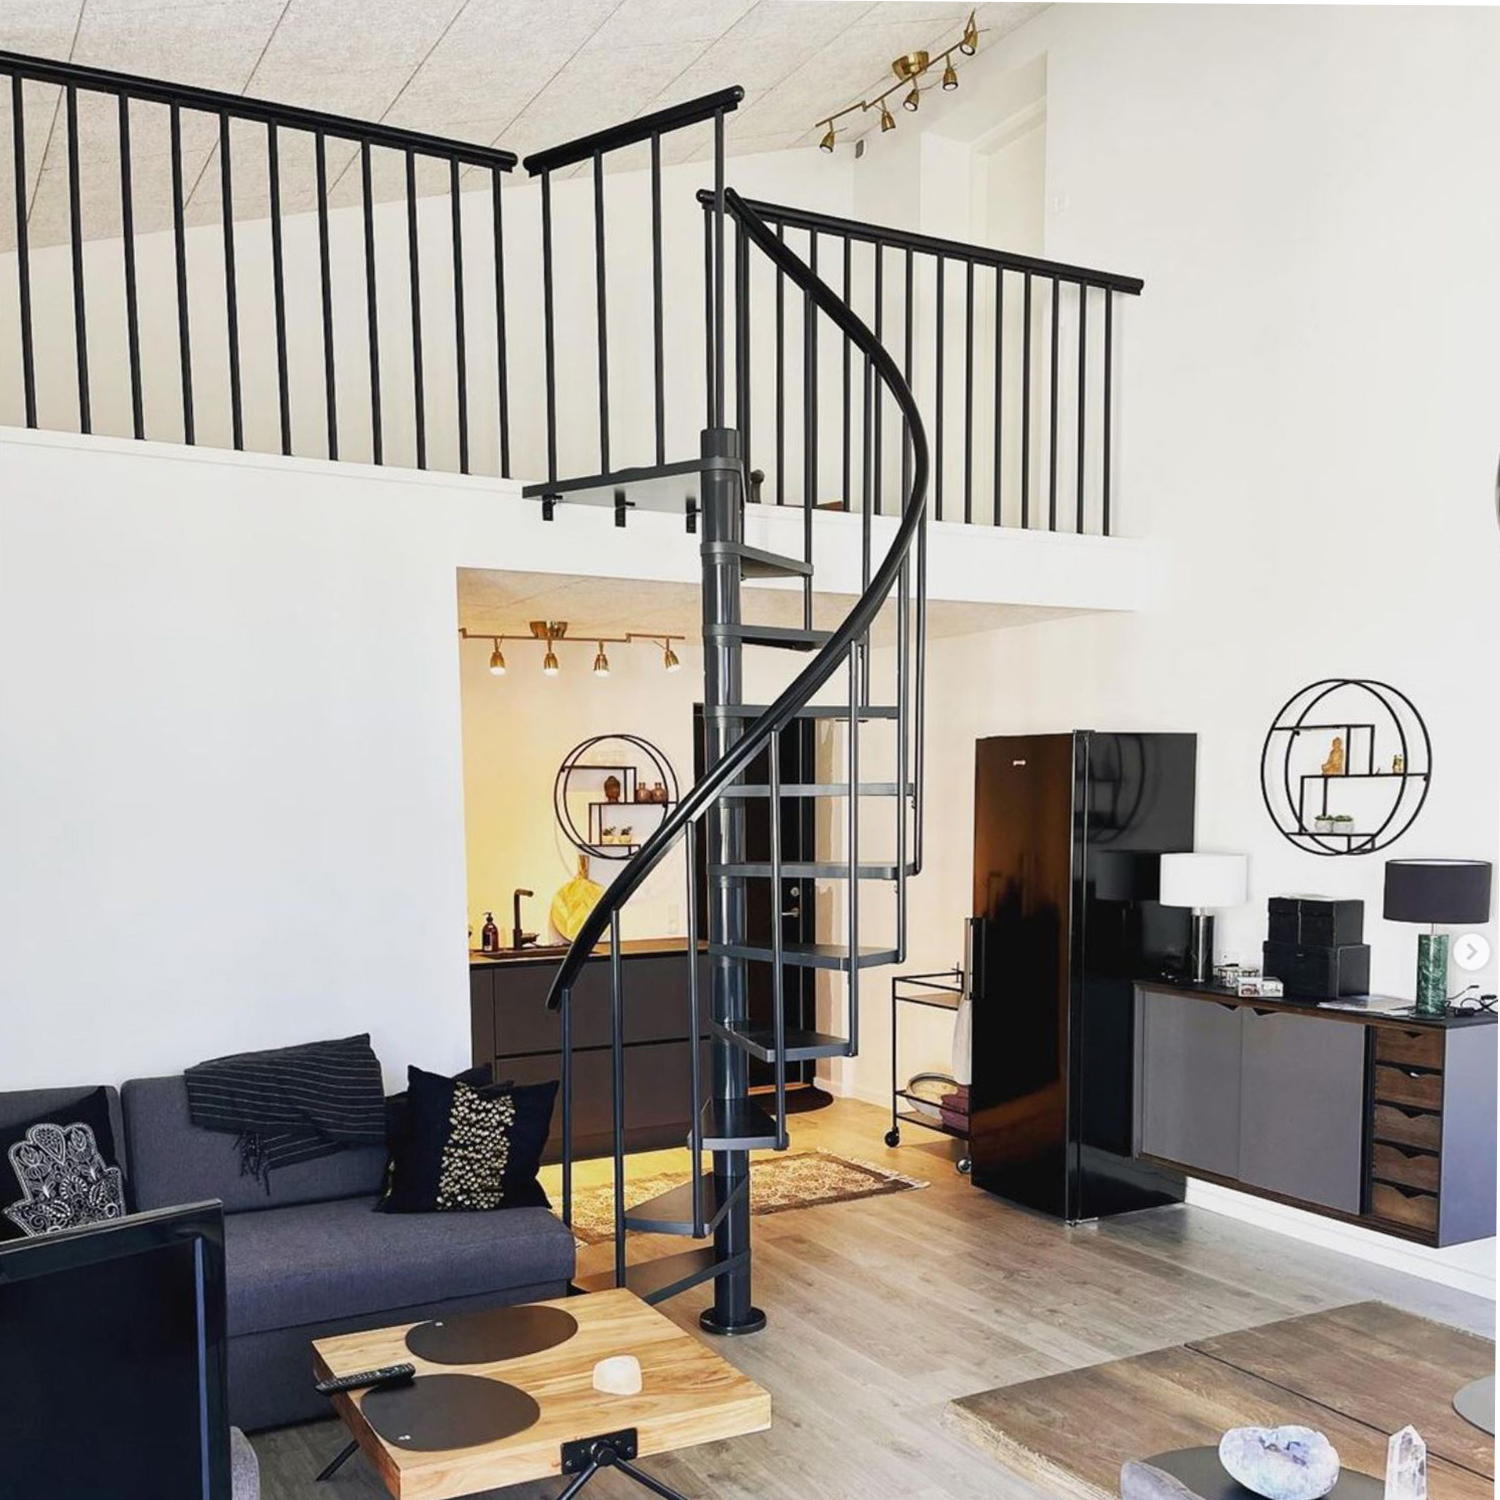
(292, 1104)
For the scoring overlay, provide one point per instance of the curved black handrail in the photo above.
(823, 665)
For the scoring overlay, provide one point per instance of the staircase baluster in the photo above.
(1083, 356)
(127, 248)
(325, 272)
(617, 1060)
(75, 237)
(708, 320)
(414, 278)
(502, 375)
(940, 328)
(778, 972)
(848, 393)
(1026, 402)
(658, 358)
(996, 518)
(1109, 328)
(695, 1029)
(919, 739)
(460, 340)
(278, 284)
(903, 705)
(1052, 417)
(968, 392)
(601, 312)
(231, 290)
(855, 654)
(780, 377)
(879, 331)
(549, 332)
(566, 1042)
(809, 425)
(372, 320)
(718, 324)
(23, 247)
(742, 346)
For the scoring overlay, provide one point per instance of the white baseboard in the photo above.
(1470, 1268)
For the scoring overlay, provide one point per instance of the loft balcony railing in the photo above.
(200, 267)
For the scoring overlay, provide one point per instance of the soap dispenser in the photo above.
(489, 936)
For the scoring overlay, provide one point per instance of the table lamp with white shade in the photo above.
(1206, 883)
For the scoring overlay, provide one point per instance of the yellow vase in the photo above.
(575, 900)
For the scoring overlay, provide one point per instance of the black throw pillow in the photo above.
(59, 1170)
(398, 1106)
(466, 1148)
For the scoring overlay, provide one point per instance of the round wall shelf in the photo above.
(595, 794)
(1345, 767)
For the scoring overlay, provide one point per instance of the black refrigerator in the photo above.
(1068, 831)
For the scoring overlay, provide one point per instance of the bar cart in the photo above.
(940, 991)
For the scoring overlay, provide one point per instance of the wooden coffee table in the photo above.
(688, 1395)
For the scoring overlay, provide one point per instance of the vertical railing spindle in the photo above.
(876, 457)
(75, 235)
(330, 392)
(848, 453)
(179, 245)
(1052, 419)
(601, 312)
(1109, 328)
(549, 335)
(1083, 354)
(778, 968)
(372, 316)
(658, 355)
(231, 288)
(937, 424)
(780, 376)
(968, 392)
(566, 1091)
(502, 363)
(809, 424)
(460, 329)
(278, 287)
(718, 322)
(127, 248)
(906, 371)
(23, 248)
(708, 319)
(1026, 403)
(414, 280)
(998, 517)
(742, 343)
(853, 809)
(695, 1029)
(617, 1061)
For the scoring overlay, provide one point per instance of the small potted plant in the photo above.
(1324, 823)
(1343, 823)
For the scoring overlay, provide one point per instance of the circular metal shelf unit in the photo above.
(634, 752)
(1387, 766)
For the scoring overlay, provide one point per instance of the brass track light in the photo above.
(950, 76)
(970, 43)
(497, 659)
(887, 119)
(910, 65)
(913, 100)
(601, 663)
(550, 666)
(669, 659)
(829, 139)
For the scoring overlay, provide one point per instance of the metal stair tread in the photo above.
(671, 1212)
(756, 562)
(737, 1125)
(806, 955)
(808, 711)
(792, 638)
(810, 870)
(656, 1280)
(800, 1045)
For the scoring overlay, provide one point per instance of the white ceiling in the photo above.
(522, 74)
(503, 603)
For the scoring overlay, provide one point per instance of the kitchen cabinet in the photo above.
(1188, 1092)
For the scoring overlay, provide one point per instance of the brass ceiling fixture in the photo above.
(909, 70)
(554, 633)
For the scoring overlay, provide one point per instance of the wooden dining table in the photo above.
(1356, 1373)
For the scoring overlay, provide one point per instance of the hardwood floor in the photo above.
(882, 1310)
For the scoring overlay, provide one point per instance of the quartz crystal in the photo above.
(1406, 1466)
(1281, 1463)
(619, 1375)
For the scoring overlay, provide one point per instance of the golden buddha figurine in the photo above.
(1334, 765)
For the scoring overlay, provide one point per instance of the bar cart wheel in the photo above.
(893, 1137)
(964, 1165)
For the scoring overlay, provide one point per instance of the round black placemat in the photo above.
(1200, 1470)
(484, 1337)
(1475, 1403)
(434, 1412)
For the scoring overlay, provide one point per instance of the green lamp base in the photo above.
(1432, 974)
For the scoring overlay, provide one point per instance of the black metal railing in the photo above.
(254, 142)
(1016, 447)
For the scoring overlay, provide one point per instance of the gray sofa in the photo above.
(313, 1257)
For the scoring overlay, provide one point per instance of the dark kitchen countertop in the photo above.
(516, 958)
(1342, 1011)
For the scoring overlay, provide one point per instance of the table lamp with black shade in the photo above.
(1449, 891)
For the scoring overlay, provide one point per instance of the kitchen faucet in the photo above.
(520, 939)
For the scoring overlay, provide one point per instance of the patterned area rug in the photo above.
(799, 1179)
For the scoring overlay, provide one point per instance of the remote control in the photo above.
(386, 1375)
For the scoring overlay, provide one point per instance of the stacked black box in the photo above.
(1314, 947)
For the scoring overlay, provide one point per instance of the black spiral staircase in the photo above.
(713, 491)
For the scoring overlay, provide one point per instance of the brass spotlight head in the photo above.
(913, 100)
(550, 667)
(601, 663)
(950, 76)
(909, 65)
(669, 659)
(887, 119)
(497, 661)
(970, 44)
(827, 143)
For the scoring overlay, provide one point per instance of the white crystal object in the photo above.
(1406, 1466)
(1281, 1463)
(619, 1375)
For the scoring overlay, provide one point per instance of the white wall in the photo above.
(1299, 389)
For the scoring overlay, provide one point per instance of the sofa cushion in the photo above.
(315, 1261)
(29, 1104)
(171, 1160)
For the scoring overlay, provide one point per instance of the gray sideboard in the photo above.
(1387, 1121)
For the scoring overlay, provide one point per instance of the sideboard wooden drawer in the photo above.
(1403, 1086)
(1417, 1049)
(1407, 1127)
(1395, 1205)
(1414, 1169)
